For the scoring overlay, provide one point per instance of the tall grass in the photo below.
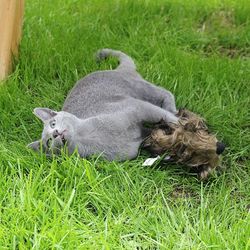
(197, 49)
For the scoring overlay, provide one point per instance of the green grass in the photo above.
(197, 49)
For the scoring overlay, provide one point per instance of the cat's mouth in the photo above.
(60, 137)
(63, 140)
(59, 141)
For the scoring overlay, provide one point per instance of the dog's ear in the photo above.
(202, 125)
(183, 113)
(190, 127)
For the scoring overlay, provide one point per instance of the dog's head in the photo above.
(188, 142)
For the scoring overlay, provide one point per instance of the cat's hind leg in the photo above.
(149, 112)
(158, 96)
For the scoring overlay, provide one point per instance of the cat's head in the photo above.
(58, 131)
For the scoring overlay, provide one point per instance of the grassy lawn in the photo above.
(200, 51)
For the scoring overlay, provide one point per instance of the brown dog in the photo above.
(188, 143)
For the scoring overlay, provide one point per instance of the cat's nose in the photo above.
(55, 133)
(220, 147)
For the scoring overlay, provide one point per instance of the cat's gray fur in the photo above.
(105, 111)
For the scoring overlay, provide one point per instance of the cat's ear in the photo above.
(36, 145)
(44, 113)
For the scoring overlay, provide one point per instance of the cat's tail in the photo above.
(126, 62)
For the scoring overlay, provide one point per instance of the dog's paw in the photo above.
(204, 173)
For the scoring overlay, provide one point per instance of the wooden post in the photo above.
(11, 16)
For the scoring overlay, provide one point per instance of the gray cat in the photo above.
(104, 113)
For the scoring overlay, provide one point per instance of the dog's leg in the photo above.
(204, 173)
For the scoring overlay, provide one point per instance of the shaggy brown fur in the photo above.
(187, 143)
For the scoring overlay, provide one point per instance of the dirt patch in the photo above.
(235, 52)
(248, 208)
(220, 30)
(181, 192)
(240, 197)
(221, 19)
(230, 51)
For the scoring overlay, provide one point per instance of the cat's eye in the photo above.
(52, 124)
(49, 143)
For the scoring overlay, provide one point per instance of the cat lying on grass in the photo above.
(105, 112)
